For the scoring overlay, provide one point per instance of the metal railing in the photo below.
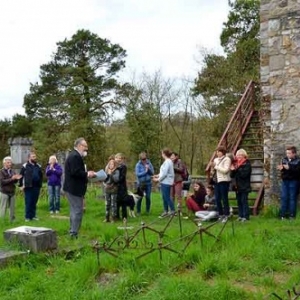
(238, 123)
(233, 134)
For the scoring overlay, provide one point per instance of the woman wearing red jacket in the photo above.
(196, 200)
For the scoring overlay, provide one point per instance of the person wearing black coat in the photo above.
(75, 183)
(31, 183)
(241, 172)
(122, 195)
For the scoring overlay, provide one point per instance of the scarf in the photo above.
(240, 162)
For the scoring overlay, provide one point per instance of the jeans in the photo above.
(192, 205)
(54, 197)
(31, 199)
(243, 206)
(289, 191)
(221, 194)
(147, 188)
(166, 195)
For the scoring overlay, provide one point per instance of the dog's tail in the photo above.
(136, 197)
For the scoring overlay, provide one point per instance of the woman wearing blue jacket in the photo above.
(144, 172)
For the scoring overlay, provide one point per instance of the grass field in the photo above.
(250, 262)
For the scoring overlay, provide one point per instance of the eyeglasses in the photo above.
(84, 145)
(144, 158)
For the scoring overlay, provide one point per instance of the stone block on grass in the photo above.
(8, 255)
(35, 239)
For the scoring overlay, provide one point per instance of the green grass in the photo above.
(261, 257)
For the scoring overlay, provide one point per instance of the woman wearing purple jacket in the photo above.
(54, 173)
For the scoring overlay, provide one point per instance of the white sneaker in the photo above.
(132, 214)
(51, 212)
(57, 211)
(225, 219)
(220, 218)
(163, 215)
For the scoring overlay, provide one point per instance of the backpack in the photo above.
(185, 173)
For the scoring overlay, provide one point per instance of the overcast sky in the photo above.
(157, 34)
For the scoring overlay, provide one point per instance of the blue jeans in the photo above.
(147, 188)
(31, 199)
(221, 194)
(243, 206)
(166, 195)
(54, 197)
(289, 191)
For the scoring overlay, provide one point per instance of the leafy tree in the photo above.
(18, 126)
(242, 25)
(144, 117)
(77, 89)
(5, 129)
(222, 79)
(240, 37)
(21, 126)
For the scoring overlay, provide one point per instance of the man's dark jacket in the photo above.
(76, 179)
(293, 173)
(7, 185)
(32, 175)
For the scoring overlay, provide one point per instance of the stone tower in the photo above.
(280, 82)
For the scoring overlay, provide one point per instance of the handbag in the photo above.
(233, 185)
(214, 178)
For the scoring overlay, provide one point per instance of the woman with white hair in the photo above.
(241, 171)
(8, 179)
(54, 172)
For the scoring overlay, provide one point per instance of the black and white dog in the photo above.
(132, 200)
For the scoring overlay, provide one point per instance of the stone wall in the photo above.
(280, 81)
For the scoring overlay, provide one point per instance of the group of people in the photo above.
(170, 179)
(115, 188)
(228, 170)
(212, 202)
(30, 181)
(206, 202)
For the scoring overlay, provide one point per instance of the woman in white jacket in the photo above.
(166, 179)
(222, 164)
